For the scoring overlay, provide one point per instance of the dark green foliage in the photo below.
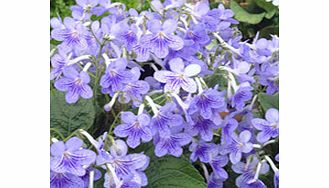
(170, 172)
(268, 101)
(60, 8)
(256, 16)
(66, 118)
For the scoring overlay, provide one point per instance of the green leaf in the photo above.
(267, 31)
(243, 16)
(268, 7)
(171, 172)
(268, 101)
(67, 118)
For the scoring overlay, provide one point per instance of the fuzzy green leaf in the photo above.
(67, 118)
(171, 172)
(268, 101)
(243, 16)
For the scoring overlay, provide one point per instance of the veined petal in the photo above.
(128, 117)
(177, 65)
(57, 148)
(169, 26)
(160, 149)
(159, 46)
(134, 140)
(121, 130)
(189, 85)
(72, 96)
(259, 123)
(175, 42)
(63, 84)
(162, 75)
(263, 136)
(73, 144)
(86, 92)
(84, 156)
(177, 151)
(235, 157)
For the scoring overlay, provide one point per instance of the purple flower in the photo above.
(65, 180)
(206, 102)
(127, 35)
(162, 37)
(203, 151)
(215, 181)
(202, 127)
(74, 84)
(253, 184)
(58, 63)
(85, 178)
(172, 144)
(164, 119)
(70, 157)
(238, 146)
(242, 94)
(73, 34)
(217, 163)
(142, 51)
(134, 127)
(248, 170)
(228, 130)
(197, 34)
(269, 128)
(115, 75)
(84, 9)
(127, 167)
(134, 89)
(179, 76)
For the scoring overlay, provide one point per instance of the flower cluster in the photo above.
(176, 106)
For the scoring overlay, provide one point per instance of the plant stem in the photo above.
(57, 132)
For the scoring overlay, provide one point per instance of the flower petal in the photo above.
(73, 144)
(169, 26)
(235, 157)
(162, 75)
(175, 42)
(192, 70)
(272, 115)
(72, 97)
(245, 136)
(176, 65)
(86, 92)
(189, 85)
(128, 117)
(57, 148)
(160, 149)
(263, 136)
(259, 123)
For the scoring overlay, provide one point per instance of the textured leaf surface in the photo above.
(268, 7)
(171, 172)
(268, 101)
(67, 118)
(243, 16)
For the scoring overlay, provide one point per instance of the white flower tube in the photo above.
(152, 105)
(80, 58)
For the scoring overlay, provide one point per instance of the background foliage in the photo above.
(166, 172)
(254, 15)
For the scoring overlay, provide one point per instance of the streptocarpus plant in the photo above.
(177, 78)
